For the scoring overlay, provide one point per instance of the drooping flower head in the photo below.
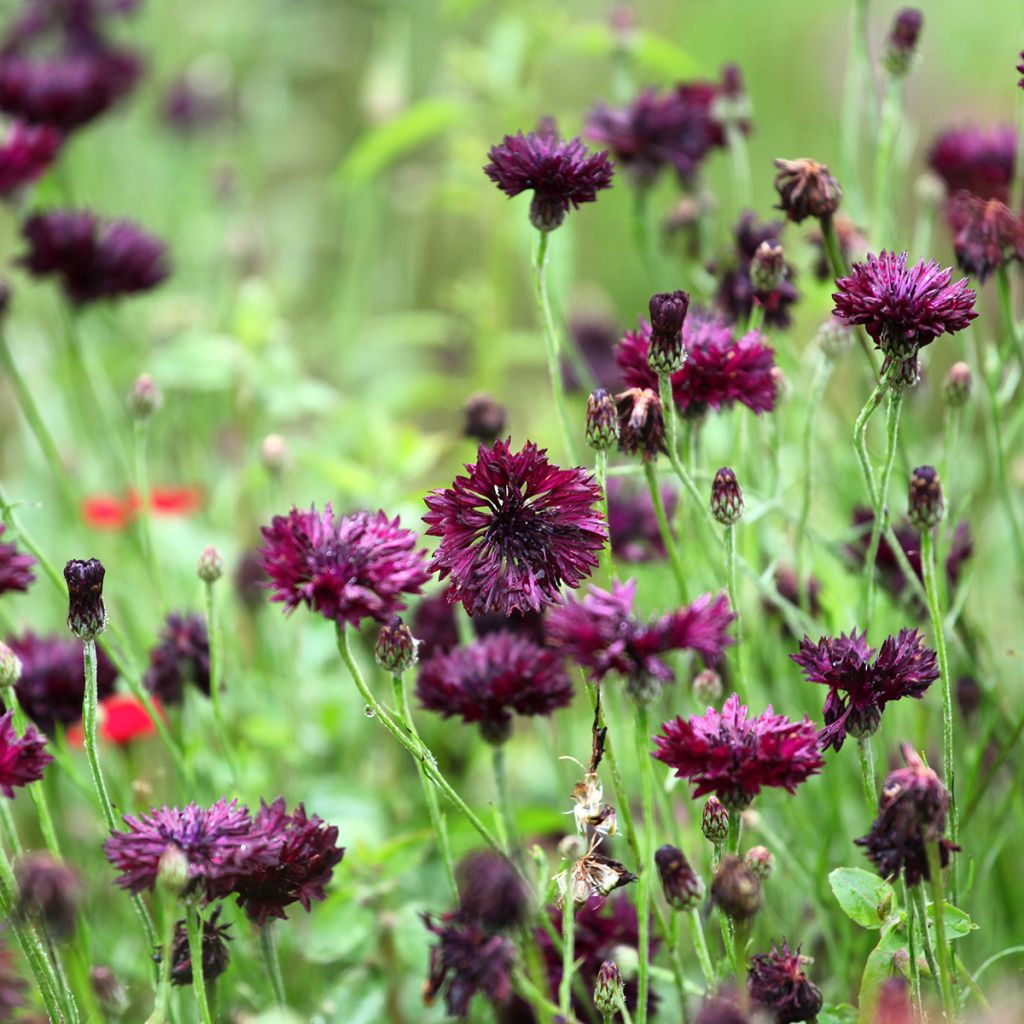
(215, 954)
(633, 524)
(493, 678)
(218, 843)
(514, 530)
(986, 235)
(181, 656)
(806, 189)
(357, 567)
(26, 153)
(93, 259)
(860, 684)
(15, 567)
(601, 634)
(561, 175)
(778, 985)
(980, 161)
(735, 757)
(22, 758)
(306, 853)
(641, 423)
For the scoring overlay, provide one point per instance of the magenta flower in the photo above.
(777, 983)
(735, 757)
(719, 370)
(601, 634)
(22, 758)
(306, 853)
(561, 175)
(15, 567)
(26, 153)
(93, 259)
(978, 160)
(489, 680)
(349, 569)
(181, 656)
(220, 844)
(514, 530)
(859, 687)
(986, 235)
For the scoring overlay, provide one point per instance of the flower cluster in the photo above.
(182, 656)
(15, 567)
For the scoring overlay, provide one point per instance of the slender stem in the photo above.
(917, 894)
(860, 429)
(740, 162)
(951, 439)
(601, 479)
(195, 949)
(667, 536)
(272, 961)
(892, 109)
(834, 255)
(866, 754)
(915, 967)
(818, 385)
(163, 990)
(647, 861)
(568, 944)
(216, 674)
(504, 804)
(551, 338)
(700, 946)
(939, 909)
(1006, 306)
(668, 409)
(642, 230)
(856, 90)
(756, 319)
(729, 536)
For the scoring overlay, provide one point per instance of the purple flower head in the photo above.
(633, 524)
(561, 175)
(777, 984)
(719, 370)
(601, 634)
(595, 337)
(735, 757)
(214, 950)
(220, 844)
(490, 679)
(514, 530)
(52, 684)
(987, 235)
(492, 893)
(860, 684)
(349, 569)
(15, 567)
(93, 259)
(22, 758)
(903, 308)
(977, 160)
(49, 891)
(306, 853)
(181, 656)
(467, 960)
(26, 153)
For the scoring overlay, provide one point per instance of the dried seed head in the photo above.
(806, 189)
(602, 429)
(641, 423)
(736, 889)
(396, 650)
(957, 388)
(680, 885)
(714, 821)
(485, 418)
(926, 507)
(210, 567)
(589, 808)
(87, 617)
(726, 497)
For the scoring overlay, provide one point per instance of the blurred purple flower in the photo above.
(467, 960)
(214, 951)
(978, 160)
(26, 153)
(15, 567)
(22, 758)
(777, 983)
(595, 338)
(634, 529)
(986, 235)
(181, 656)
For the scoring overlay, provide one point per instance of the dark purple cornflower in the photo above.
(22, 758)
(595, 338)
(49, 891)
(15, 567)
(788, 587)
(986, 235)
(52, 684)
(12, 985)
(465, 961)
(26, 153)
(641, 422)
(181, 656)
(215, 950)
(87, 616)
(735, 757)
(912, 813)
(492, 893)
(976, 160)
(514, 530)
(561, 175)
(250, 580)
(632, 523)
(860, 684)
(778, 985)
(903, 308)
(903, 38)
(305, 854)
(92, 258)
(720, 370)
(493, 678)
(601, 634)
(219, 844)
(349, 569)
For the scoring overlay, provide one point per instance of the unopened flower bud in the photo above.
(87, 617)
(806, 189)
(609, 992)
(926, 507)
(145, 398)
(864, 722)
(714, 822)
(274, 454)
(602, 421)
(736, 889)
(768, 267)
(396, 650)
(726, 497)
(10, 667)
(484, 418)
(761, 861)
(210, 567)
(707, 687)
(173, 870)
(906, 28)
(957, 388)
(834, 337)
(665, 353)
(929, 189)
(679, 883)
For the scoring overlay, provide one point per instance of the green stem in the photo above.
(668, 408)
(834, 255)
(504, 804)
(939, 907)
(892, 109)
(195, 950)
(915, 967)
(729, 536)
(163, 991)
(1006, 306)
(866, 754)
(551, 339)
(647, 861)
(818, 385)
(740, 161)
(700, 946)
(917, 894)
(642, 231)
(667, 536)
(756, 319)
(601, 479)
(568, 944)
(732, 839)
(856, 89)
(860, 429)
(216, 673)
(272, 961)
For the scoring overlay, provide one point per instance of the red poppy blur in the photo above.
(121, 720)
(110, 512)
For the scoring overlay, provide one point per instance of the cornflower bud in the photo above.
(761, 861)
(736, 889)
(768, 267)
(145, 398)
(957, 388)
(602, 431)
(484, 418)
(679, 883)
(210, 567)
(707, 687)
(714, 821)
(906, 28)
(10, 667)
(726, 497)
(396, 650)
(609, 992)
(926, 508)
(668, 311)
(87, 617)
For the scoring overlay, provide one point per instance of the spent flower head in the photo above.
(806, 189)
(778, 984)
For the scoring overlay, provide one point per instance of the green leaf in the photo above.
(844, 1013)
(866, 899)
(958, 924)
(878, 967)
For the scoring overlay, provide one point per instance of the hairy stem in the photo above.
(272, 961)
(195, 949)
(667, 536)
(866, 754)
(939, 909)
(647, 861)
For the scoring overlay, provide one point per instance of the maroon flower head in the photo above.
(601, 634)
(777, 984)
(903, 308)
(22, 758)
(860, 684)
(219, 844)
(976, 160)
(15, 567)
(492, 893)
(493, 678)
(52, 684)
(87, 616)
(633, 524)
(305, 854)
(93, 259)
(987, 235)
(434, 625)
(561, 175)
(467, 960)
(735, 757)
(214, 951)
(26, 153)
(182, 656)
(349, 569)
(514, 530)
